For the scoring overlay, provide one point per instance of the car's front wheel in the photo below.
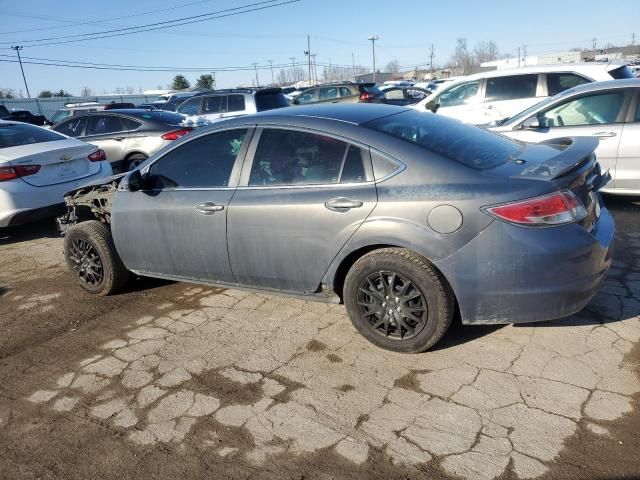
(92, 258)
(134, 161)
(397, 300)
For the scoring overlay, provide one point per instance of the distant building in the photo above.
(381, 77)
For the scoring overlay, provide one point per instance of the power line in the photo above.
(229, 12)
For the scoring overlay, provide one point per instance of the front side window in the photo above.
(394, 94)
(589, 110)
(559, 82)
(328, 93)
(73, 127)
(204, 162)
(60, 116)
(190, 107)
(105, 125)
(459, 94)
(511, 88)
(306, 97)
(286, 157)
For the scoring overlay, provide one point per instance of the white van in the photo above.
(488, 97)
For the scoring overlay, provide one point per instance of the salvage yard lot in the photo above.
(174, 380)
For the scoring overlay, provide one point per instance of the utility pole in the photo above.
(593, 42)
(17, 48)
(519, 56)
(524, 55)
(373, 39)
(308, 53)
(255, 66)
(315, 72)
(353, 65)
(293, 69)
(633, 39)
(430, 60)
(273, 82)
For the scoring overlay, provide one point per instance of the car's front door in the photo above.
(108, 133)
(628, 166)
(595, 114)
(299, 201)
(176, 225)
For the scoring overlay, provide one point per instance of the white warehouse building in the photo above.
(545, 59)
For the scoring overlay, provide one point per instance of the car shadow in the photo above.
(31, 231)
(138, 284)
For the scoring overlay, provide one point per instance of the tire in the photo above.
(92, 258)
(133, 161)
(417, 313)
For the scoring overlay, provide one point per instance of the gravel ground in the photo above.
(174, 380)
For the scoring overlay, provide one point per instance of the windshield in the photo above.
(269, 101)
(622, 73)
(472, 146)
(14, 135)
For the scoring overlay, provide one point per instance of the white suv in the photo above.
(491, 96)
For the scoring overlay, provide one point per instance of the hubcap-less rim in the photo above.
(392, 305)
(135, 163)
(86, 262)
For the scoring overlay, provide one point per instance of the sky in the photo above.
(338, 31)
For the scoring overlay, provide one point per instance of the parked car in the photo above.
(340, 92)
(73, 109)
(403, 96)
(37, 167)
(231, 103)
(171, 101)
(404, 216)
(118, 105)
(608, 111)
(397, 83)
(24, 116)
(128, 137)
(490, 96)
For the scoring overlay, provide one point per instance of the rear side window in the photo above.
(130, 124)
(286, 157)
(621, 73)
(104, 125)
(472, 146)
(25, 134)
(73, 127)
(235, 103)
(205, 162)
(559, 82)
(345, 92)
(353, 168)
(216, 104)
(511, 87)
(270, 101)
(328, 93)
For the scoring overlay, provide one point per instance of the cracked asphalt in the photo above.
(173, 380)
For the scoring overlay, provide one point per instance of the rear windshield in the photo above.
(621, 73)
(472, 146)
(163, 116)
(14, 135)
(269, 101)
(371, 89)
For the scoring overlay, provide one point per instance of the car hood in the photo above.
(100, 181)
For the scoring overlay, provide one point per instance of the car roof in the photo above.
(355, 114)
(584, 67)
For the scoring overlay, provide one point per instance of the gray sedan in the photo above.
(405, 216)
(608, 111)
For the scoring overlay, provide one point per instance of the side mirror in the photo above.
(134, 181)
(531, 123)
(432, 105)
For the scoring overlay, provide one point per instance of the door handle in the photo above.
(208, 208)
(342, 203)
(605, 134)
(118, 139)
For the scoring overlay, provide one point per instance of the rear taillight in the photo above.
(10, 173)
(555, 209)
(176, 134)
(97, 156)
(366, 97)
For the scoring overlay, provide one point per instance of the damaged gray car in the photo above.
(406, 217)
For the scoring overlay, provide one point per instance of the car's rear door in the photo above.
(176, 225)
(507, 95)
(299, 201)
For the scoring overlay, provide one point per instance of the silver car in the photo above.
(608, 111)
(405, 216)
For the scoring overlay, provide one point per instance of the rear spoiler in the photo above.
(573, 153)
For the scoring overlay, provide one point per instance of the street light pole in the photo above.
(255, 66)
(273, 82)
(17, 48)
(373, 39)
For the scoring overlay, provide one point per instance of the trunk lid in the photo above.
(60, 161)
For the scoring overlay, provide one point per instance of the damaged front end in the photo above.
(89, 202)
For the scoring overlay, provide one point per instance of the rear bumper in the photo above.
(22, 203)
(511, 274)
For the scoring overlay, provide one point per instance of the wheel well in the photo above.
(133, 154)
(353, 257)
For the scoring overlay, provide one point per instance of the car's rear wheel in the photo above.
(397, 300)
(92, 258)
(134, 161)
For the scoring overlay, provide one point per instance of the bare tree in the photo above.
(130, 91)
(86, 92)
(485, 52)
(462, 58)
(393, 66)
(7, 93)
